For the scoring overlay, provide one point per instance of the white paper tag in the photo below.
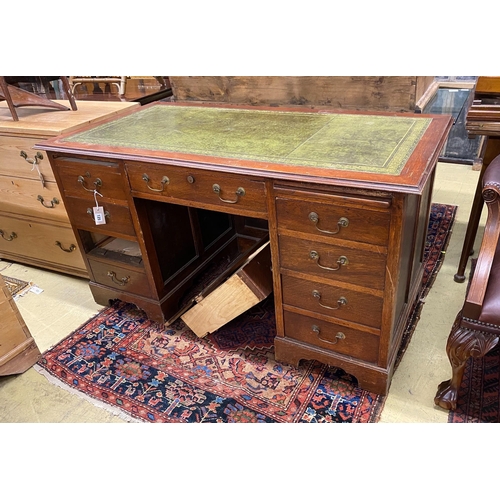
(99, 216)
(36, 289)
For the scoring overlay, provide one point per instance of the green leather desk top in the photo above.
(364, 143)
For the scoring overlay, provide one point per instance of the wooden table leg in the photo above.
(492, 151)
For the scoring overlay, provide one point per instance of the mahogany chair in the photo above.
(476, 329)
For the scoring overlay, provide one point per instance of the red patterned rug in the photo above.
(154, 373)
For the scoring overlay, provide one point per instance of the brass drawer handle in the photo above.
(37, 158)
(97, 182)
(71, 248)
(239, 192)
(53, 202)
(165, 180)
(317, 331)
(121, 282)
(91, 213)
(342, 261)
(10, 238)
(341, 302)
(342, 222)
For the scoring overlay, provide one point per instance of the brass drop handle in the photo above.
(10, 238)
(342, 222)
(97, 182)
(38, 157)
(53, 202)
(341, 261)
(91, 213)
(71, 248)
(317, 331)
(239, 192)
(342, 301)
(165, 180)
(121, 282)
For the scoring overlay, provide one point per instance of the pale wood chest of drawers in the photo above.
(34, 223)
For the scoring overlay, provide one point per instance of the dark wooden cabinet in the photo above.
(343, 199)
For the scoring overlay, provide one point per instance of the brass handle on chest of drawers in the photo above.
(342, 222)
(165, 180)
(71, 248)
(53, 202)
(341, 261)
(341, 302)
(239, 192)
(10, 238)
(91, 213)
(121, 282)
(97, 182)
(38, 157)
(317, 331)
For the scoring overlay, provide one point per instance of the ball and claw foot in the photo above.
(446, 396)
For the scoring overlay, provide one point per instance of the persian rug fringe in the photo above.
(99, 404)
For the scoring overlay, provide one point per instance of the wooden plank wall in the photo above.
(377, 93)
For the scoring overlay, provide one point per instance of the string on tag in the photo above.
(95, 197)
(35, 167)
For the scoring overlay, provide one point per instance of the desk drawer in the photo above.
(333, 262)
(12, 163)
(80, 177)
(118, 218)
(199, 187)
(336, 220)
(29, 197)
(348, 341)
(333, 301)
(120, 278)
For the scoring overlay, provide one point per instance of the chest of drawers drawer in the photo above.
(13, 163)
(52, 245)
(334, 301)
(79, 178)
(333, 262)
(219, 190)
(124, 279)
(337, 219)
(118, 218)
(348, 341)
(29, 197)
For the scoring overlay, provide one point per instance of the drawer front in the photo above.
(43, 242)
(219, 189)
(118, 219)
(347, 341)
(120, 278)
(13, 164)
(334, 262)
(79, 178)
(29, 197)
(333, 301)
(334, 220)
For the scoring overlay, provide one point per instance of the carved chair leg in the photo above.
(462, 344)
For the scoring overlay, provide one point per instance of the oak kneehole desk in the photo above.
(343, 197)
